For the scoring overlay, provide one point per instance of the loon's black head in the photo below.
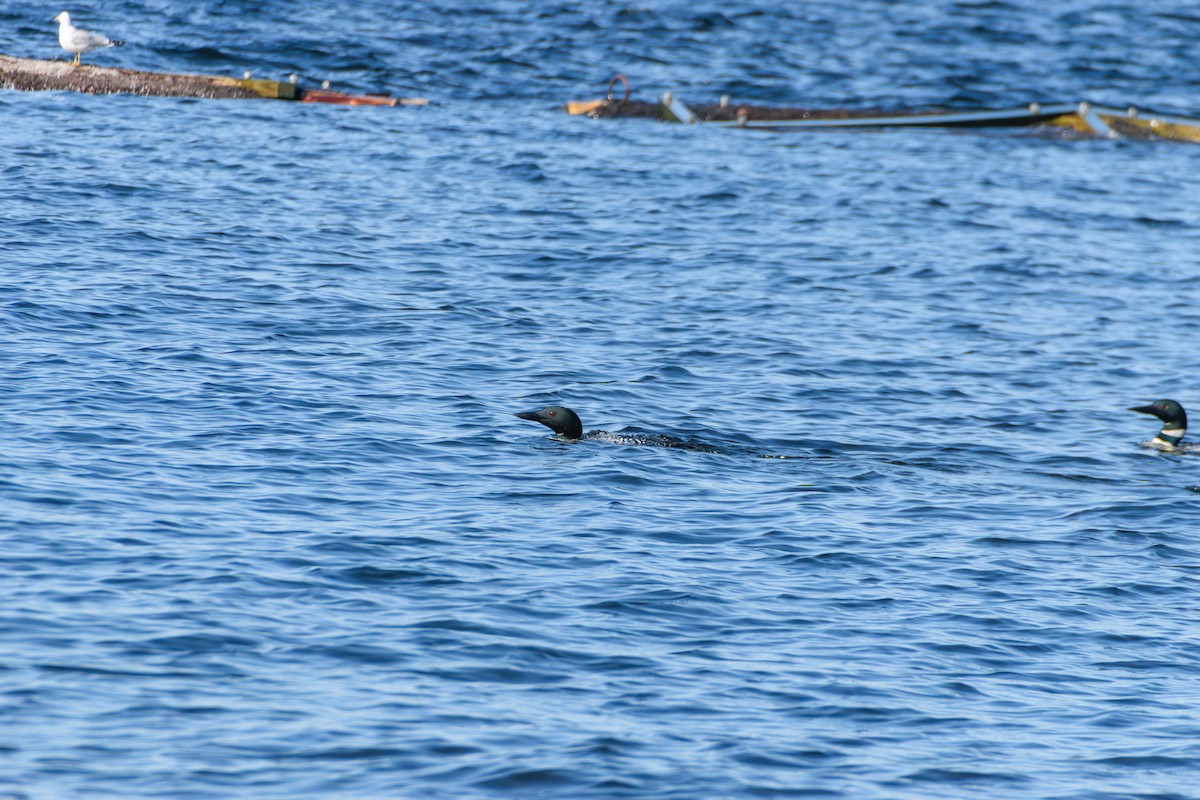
(1173, 416)
(562, 421)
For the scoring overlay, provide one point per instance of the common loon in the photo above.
(1174, 424)
(563, 421)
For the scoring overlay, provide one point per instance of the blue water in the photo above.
(270, 528)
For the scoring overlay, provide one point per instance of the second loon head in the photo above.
(562, 421)
(1174, 420)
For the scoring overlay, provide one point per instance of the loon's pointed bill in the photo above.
(562, 421)
(1174, 420)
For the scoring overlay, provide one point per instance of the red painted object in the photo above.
(339, 98)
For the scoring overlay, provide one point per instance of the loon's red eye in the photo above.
(552, 413)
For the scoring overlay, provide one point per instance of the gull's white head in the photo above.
(64, 18)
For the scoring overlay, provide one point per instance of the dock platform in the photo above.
(32, 75)
(1080, 120)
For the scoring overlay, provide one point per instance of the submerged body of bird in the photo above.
(567, 428)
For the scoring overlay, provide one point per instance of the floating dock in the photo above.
(1082, 119)
(34, 75)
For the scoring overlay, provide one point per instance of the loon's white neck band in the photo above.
(1169, 439)
(1171, 435)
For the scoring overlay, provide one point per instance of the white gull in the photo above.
(77, 40)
